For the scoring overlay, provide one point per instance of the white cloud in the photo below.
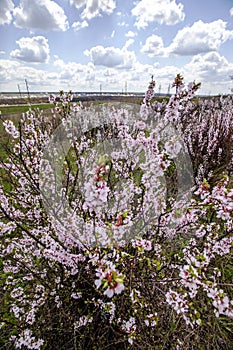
(14, 73)
(130, 34)
(201, 37)
(161, 11)
(34, 50)
(154, 46)
(211, 67)
(231, 11)
(40, 14)
(7, 69)
(7, 7)
(79, 25)
(122, 24)
(72, 72)
(128, 43)
(111, 57)
(109, 72)
(94, 8)
(166, 74)
(72, 67)
(78, 3)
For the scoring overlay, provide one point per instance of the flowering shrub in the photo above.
(206, 126)
(106, 243)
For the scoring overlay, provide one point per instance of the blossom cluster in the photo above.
(110, 280)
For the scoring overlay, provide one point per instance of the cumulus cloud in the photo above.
(7, 69)
(15, 73)
(161, 11)
(79, 25)
(130, 34)
(231, 11)
(200, 38)
(94, 8)
(40, 14)
(211, 67)
(164, 77)
(153, 46)
(72, 67)
(7, 7)
(128, 43)
(74, 72)
(34, 50)
(111, 57)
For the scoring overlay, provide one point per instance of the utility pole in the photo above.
(169, 89)
(29, 99)
(160, 87)
(19, 91)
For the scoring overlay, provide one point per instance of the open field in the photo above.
(18, 109)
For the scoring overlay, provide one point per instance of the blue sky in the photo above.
(80, 45)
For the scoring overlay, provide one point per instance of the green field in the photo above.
(18, 109)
